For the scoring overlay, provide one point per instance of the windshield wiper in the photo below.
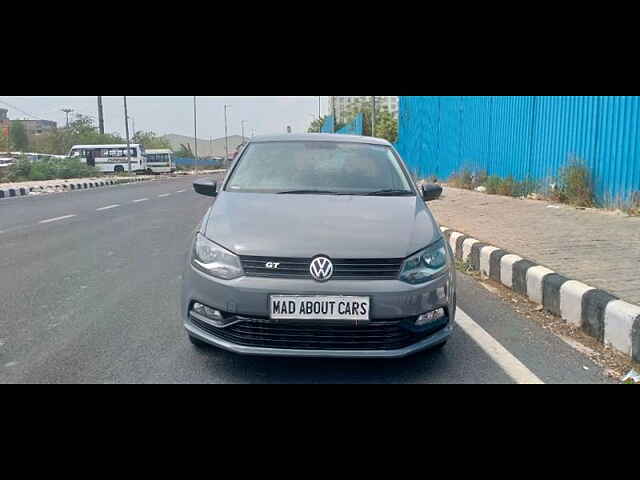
(304, 192)
(389, 192)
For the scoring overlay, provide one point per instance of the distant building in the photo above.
(389, 104)
(38, 127)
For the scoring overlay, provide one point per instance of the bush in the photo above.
(462, 179)
(634, 208)
(508, 187)
(492, 184)
(25, 170)
(575, 185)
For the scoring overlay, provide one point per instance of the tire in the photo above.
(196, 342)
(118, 169)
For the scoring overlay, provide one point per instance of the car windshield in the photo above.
(319, 167)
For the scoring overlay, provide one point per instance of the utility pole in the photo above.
(333, 107)
(126, 125)
(67, 111)
(195, 134)
(242, 124)
(100, 116)
(373, 117)
(320, 108)
(226, 133)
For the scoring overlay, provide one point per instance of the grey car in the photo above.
(319, 245)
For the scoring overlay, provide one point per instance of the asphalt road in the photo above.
(89, 292)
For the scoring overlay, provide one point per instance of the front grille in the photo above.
(343, 269)
(373, 336)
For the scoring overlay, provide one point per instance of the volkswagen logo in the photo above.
(321, 269)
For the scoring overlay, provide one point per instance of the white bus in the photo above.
(112, 158)
(160, 161)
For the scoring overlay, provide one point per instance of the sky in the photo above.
(166, 114)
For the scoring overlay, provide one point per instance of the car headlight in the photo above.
(425, 265)
(215, 260)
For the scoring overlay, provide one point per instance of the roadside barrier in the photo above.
(608, 319)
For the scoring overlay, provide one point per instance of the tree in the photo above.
(386, 123)
(387, 126)
(316, 125)
(81, 131)
(185, 151)
(18, 136)
(150, 140)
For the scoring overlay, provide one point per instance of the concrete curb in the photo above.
(67, 187)
(610, 320)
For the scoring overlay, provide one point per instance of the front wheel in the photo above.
(119, 169)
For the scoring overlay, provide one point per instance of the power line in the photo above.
(20, 110)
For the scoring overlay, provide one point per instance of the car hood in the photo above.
(304, 226)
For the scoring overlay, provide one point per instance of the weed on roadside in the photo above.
(462, 179)
(575, 186)
(464, 267)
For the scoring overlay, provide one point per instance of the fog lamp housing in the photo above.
(208, 312)
(430, 317)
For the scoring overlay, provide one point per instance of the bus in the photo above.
(160, 161)
(112, 158)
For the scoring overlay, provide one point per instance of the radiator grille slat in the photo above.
(344, 269)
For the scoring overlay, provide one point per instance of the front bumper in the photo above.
(391, 300)
(432, 341)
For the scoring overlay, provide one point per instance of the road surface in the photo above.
(89, 293)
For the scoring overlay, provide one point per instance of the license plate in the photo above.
(285, 307)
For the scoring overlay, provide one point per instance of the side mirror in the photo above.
(431, 192)
(207, 188)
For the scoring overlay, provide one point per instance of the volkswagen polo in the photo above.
(319, 245)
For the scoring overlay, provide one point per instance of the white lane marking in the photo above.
(164, 195)
(107, 208)
(181, 191)
(510, 364)
(141, 200)
(56, 219)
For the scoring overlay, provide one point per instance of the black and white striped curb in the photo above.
(599, 314)
(66, 187)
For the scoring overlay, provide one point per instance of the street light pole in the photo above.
(195, 134)
(126, 123)
(67, 111)
(226, 133)
(242, 124)
(320, 108)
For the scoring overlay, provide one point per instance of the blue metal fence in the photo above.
(355, 127)
(526, 137)
(329, 125)
(201, 162)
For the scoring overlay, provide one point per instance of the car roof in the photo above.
(318, 137)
